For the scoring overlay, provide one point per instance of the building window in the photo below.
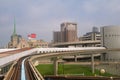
(109, 35)
(112, 35)
(106, 35)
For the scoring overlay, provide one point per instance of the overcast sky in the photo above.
(45, 16)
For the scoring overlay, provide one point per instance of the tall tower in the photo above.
(95, 29)
(14, 32)
(68, 32)
(14, 37)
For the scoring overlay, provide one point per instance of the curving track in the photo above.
(15, 71)
(21, 70)
(29, 72)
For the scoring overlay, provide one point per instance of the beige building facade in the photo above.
(38, 43)
(68, 33)
(18, 42)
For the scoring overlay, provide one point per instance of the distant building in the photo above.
(18, 42)
(95, 29)
(37, 43)
(15, 39)
(23, 43)
(68, 33)
(111, 40)
(92, 36)
(57, 36)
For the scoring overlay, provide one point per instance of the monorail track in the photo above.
(21, 70)
(29, 71)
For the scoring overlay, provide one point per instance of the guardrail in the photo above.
(37, 74)
(10, 72)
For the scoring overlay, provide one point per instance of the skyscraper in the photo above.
(68, 32)
(95, 29)
(56, 36)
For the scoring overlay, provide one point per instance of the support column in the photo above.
(92, 63)
(75, 57)
(55, 63)
(101, 57)
(0, 71)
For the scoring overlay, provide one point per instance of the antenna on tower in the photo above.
(14, 33)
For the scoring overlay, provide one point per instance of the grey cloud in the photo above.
(44, 16)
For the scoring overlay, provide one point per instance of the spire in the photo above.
(14, 33)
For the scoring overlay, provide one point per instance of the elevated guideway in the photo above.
(77, 43)
(4, 61)
(50, 51)
(4, 50)
(9, 57)
(56, 52)
(15, 55)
